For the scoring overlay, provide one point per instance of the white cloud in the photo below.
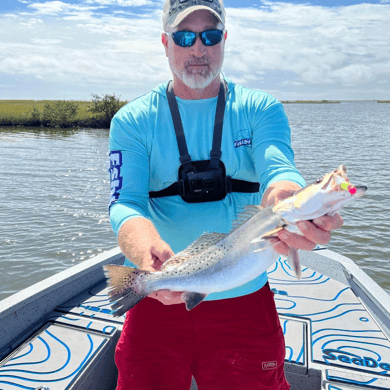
(30, 23)
(46, 41)
(291, 82)
(51, 7)
(121, 3)
(56, 7)
(344, 45)
(288, 48)
(86, 50)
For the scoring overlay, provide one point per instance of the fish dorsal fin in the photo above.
(203, 242)
(196, 248)
(245, 213)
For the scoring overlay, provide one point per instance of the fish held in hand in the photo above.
(218, 262)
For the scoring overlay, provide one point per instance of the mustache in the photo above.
(197, 61)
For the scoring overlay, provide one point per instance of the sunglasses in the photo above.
(188, 38)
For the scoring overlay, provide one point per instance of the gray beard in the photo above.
(198, 80)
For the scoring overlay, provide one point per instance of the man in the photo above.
(232, 340)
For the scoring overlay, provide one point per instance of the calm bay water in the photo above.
(55, 188)
(54, 191)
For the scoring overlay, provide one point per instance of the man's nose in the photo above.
(198, 49)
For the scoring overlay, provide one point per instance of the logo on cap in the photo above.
(178, 6)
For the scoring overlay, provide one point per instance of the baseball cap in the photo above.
(175, 11)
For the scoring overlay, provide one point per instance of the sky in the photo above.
(317, 49)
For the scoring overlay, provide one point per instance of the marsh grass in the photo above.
(60, 113)
(30, 113)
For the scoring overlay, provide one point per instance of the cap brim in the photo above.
(179, 18)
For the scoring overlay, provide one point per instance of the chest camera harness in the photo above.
(204, 180)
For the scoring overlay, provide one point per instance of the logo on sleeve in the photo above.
(116, 179)
(243, 137)
(243, 142)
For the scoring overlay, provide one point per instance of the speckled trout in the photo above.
(218, 262)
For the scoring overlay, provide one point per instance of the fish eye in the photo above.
(318, 181)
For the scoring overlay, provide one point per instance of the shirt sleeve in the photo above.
(272, 152)
(129, 171)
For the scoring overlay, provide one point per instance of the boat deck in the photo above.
(329, 331)
(333, 340)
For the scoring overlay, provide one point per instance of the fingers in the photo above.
(313, 233)
(281, 247)
(283, 195)
(316, 232)
(328, 222)
(319, 230)
(278, 191)
(160, 254)
(163, 251)
(296, 241)
(149, 263)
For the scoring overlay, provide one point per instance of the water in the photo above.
(55, 189)
(356, 135)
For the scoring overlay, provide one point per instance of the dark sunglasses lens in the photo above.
(211, 37)
(184, 38)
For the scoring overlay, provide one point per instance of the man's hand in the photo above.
(140, 242)
(159, 254)
(315, 232)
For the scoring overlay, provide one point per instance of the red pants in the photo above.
(231, 344)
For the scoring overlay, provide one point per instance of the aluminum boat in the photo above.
(60, 333)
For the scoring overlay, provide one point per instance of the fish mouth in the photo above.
(360, 190)
(338, 181)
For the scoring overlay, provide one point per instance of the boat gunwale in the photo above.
(21, 312)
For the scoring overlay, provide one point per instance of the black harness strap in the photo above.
(181, 139)
(236, 185)
(232, 185)
(216, 152)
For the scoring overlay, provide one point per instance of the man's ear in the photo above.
(164, 40)
(225, 35)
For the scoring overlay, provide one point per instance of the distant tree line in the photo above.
(310, 101)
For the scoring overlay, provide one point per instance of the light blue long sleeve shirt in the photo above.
(144, 156)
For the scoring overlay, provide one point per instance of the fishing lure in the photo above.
(348, 187)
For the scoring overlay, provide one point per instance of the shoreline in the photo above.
(96, 113)
(332, 101)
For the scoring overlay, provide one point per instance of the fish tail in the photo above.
(127, 287)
